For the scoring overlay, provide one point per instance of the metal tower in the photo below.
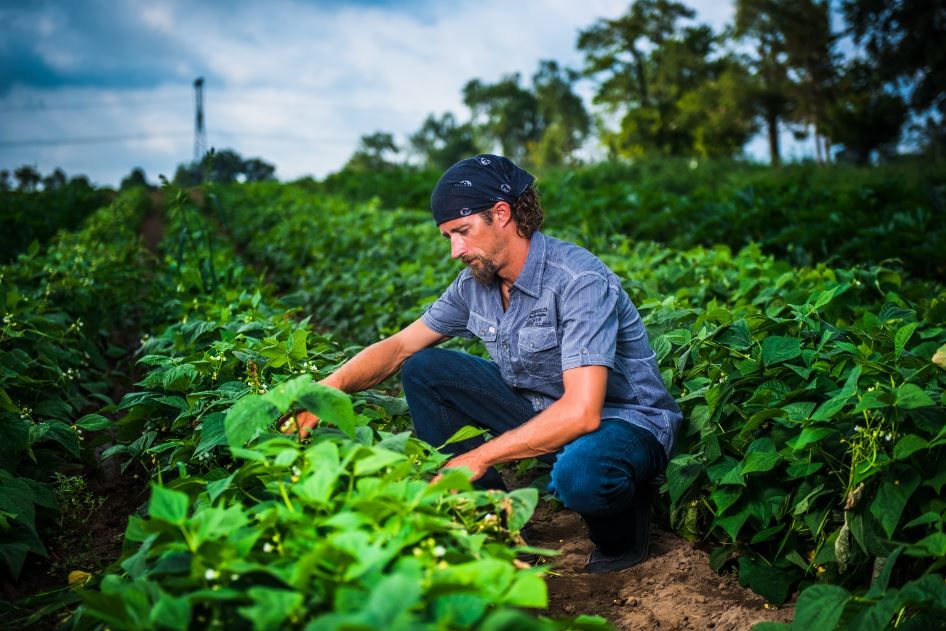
(200, 133)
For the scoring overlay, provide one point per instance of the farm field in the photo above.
(148, 354)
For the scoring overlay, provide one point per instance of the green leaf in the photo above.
(820, 607)
(213, 433)
(296, 347)
(519, 506)
(910, 396)
(908, 445)
(902, 337)
(270, 607)
(168, 505)
(247, 418)
(93, 423)
(760, 456)
(527, 590)
(830, 408)
(892, 495)
(682, 472)
(772, 582)
(464, 433)
(171, 613)
(777, 348)
(810, 435)
(377, 460)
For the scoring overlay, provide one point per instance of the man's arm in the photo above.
(578, 412)
(373, 365)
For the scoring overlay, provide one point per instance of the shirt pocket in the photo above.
(539, 352)
(482, 328)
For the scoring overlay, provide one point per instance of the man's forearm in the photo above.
(368, 368)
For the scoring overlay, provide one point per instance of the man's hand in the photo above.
(305, 421)
(470, 460)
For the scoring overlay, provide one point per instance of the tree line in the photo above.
(666, 85)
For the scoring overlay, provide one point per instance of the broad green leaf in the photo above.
(902, 337)
(910, 396)
(379, 459)
(830, 408)
(519, 506)
(247, 418)
(168, 505)
(171, 612)
(93, 423)
(212, 433)
(821, 607)
(810, 435)
(270, 607)
(296, 345)
(760, 456)
(908, 445)
(527, 590)
(682, 471)
(892, 496)
(777, 348)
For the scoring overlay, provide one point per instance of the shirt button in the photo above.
(492, 329)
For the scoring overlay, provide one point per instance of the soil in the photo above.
(673, 589)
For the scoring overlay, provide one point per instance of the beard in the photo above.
(484, 272)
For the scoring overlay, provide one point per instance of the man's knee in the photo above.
(422, 364)
(588, 488)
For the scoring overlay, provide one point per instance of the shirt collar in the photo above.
(530, 278)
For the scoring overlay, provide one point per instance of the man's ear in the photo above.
(503, 213)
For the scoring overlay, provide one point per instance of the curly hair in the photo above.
(527, 212)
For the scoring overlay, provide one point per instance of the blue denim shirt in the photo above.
(566, 309)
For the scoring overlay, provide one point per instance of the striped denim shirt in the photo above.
(566, 309)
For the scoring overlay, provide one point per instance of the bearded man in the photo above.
(572, 381)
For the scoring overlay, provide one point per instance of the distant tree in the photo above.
(441, 142)
(757, 23)
(505, 114)
(27, 178)
(658, 75)
(188, 174)
(866, 116)
(222, 166)
(56, 179)
(904, 40)
(565, 121)
(135, 179)
(5, 180)
(256, 170)
(373, 152)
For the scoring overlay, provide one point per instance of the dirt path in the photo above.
(674, 589)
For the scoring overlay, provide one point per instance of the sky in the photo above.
(100, 87)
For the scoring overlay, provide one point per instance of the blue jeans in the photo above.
(596, 475)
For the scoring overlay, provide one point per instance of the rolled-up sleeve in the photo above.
(449, 314)
(589, 322)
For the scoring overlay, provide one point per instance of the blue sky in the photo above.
(100, 87)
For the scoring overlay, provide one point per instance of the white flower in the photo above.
(211, 574)
(439, 551)
(267, 547)
(857, 428)
(888, 437)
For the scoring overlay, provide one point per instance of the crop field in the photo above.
(149, 353)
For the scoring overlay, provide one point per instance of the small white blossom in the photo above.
(439, 551)
(267, 547)
(211, 574)
(888, 437)
(857, 428)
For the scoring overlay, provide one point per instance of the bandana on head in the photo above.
(475, 184)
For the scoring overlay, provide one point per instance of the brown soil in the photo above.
(674, 589)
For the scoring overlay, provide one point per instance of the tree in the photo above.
(904, 39)
(866, 116)
(27, 178)
(564, 120)
(372, 153)
(441, 142)
(505, 114)
(256, 170)
(657, 75)
(134, 179)
(56, 179)
(4, 180)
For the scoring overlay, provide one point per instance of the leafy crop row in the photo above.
(814, 395)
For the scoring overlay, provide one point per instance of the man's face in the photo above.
(477, 244)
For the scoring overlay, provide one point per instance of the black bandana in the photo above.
(476, 184)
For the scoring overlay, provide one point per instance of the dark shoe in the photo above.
(638, 546)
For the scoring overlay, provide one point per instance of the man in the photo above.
(573, 379)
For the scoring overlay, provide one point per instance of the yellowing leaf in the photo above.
(78, 578)
(939, 357)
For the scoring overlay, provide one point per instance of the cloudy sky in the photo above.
(99, 87)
